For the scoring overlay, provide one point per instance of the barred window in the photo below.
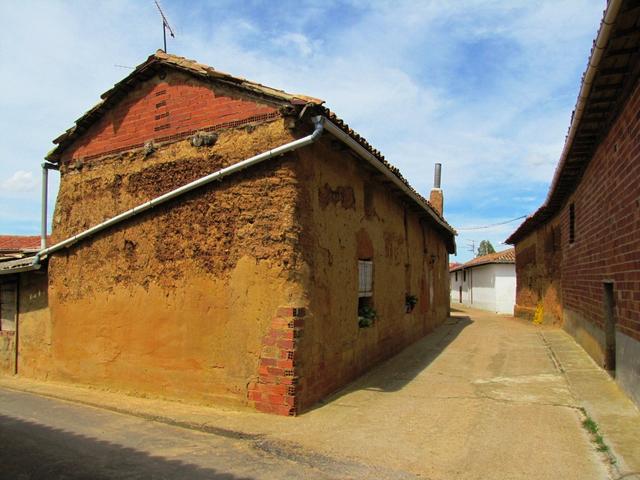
(365, 278)
(8, 306)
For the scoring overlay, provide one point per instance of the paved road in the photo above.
(44, 438)
(483, 397)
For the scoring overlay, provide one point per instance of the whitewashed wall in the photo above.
(489, 287)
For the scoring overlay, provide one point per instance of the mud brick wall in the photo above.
(539, 274)
(348, 213)
(173, 303)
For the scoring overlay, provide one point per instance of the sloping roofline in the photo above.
(505, 256)
(154, 65)
(161, 60)
(611, 73)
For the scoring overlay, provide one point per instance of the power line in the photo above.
(492, 225)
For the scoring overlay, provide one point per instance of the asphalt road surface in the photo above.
(44, 438)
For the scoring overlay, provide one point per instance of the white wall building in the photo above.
(487, 282)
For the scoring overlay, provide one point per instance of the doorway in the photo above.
(609, 328)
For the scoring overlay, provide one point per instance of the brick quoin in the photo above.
(160, 109)
(277, 387)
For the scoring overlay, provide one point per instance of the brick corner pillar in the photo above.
(277, 387)
(436, 199)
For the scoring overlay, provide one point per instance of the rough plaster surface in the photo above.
(628, 365)
(175, 301)
(349, 214)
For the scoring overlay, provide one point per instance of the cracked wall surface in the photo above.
(175, 301)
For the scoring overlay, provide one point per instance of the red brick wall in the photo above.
(277, 386)
(162, 109)
(607, 228)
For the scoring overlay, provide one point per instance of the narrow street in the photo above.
(483, 397)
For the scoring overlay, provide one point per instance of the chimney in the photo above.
(436, 199)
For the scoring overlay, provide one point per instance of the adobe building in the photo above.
(487, 282)
(219, 241)
(22, 295)
(578, 256)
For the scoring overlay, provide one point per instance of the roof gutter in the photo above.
(369, 157)
(601, 41)
(321, 124)
(218, 175)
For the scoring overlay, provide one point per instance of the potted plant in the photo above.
(366, 316)
(410, 302)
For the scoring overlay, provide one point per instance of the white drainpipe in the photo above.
(219, 175)
(321, 124)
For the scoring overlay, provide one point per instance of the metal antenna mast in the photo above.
(165, 26)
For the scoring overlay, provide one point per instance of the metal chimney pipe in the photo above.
(43, 206)
(437, 175)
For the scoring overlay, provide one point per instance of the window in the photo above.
(366, 312)
(572, 223)
(456, 276)
(8, 306)
(464, 275)
(365, 278)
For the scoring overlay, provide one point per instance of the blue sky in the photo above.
(484, 87)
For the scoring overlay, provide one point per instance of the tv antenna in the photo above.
(165, 26)
(471, 246)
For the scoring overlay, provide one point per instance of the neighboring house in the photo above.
(487, 282)
(22, 295)
(291, 264)
(578, 255)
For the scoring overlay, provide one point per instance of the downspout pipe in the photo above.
(609, 20)
(46, 166)
(318, 121)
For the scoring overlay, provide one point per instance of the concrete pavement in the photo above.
(483, 397)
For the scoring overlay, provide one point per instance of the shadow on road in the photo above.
(396, 372)
(32, 451)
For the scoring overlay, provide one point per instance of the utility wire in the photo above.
(492, 225)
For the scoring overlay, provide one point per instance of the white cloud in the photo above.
(485, 87)
(20, 181)
(298, 41)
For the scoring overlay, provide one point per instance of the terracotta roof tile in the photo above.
(505, 256)
(18, 243)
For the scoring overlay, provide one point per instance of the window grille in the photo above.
(365, 278)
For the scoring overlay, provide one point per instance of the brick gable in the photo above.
(168, 108)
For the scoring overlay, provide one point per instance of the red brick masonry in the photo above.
(164, 109)
(277, 386)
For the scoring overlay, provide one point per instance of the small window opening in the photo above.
(456, 276)
(464, 275)
(8, 306)
(366, 313)
(572, 223)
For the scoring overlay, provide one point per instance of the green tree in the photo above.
(485, 248)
